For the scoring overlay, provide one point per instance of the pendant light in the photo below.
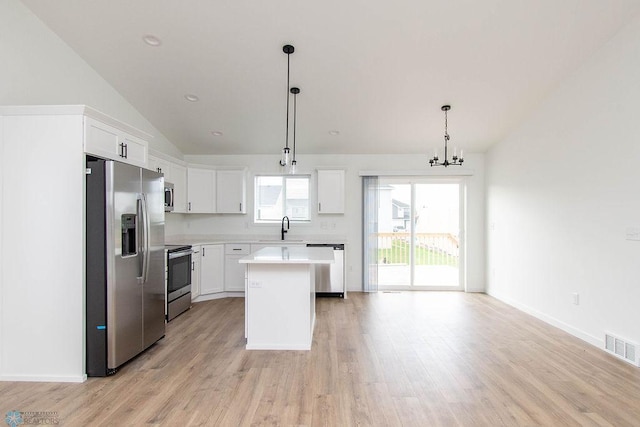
(295, 91)
(455, 159)
(284, 162)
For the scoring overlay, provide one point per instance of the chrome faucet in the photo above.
(282, 230)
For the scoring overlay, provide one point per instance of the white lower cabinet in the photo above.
(195, 272)
(211, 269)
(233, 270)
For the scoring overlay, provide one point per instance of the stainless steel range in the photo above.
(178, 279)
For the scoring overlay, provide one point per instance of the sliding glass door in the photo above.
(419, 235)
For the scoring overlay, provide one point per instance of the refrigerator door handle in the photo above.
(146, 227)
(141, 232)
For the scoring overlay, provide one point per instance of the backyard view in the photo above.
(418, 235)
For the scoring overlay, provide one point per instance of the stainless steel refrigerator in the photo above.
(125, 286)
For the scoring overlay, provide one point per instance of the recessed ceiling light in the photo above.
(216, 133)
(334, 132)
(191, 97)
(151, 40)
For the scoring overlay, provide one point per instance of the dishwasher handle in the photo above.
(334, 246)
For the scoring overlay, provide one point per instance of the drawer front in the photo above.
(237, 249)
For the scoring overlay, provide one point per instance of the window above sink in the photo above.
(277, 196)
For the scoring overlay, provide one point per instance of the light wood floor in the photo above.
(388, 359)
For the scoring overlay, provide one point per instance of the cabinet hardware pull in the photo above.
(121, 153)
(193, 266)
(240, 207)
(125, 150)
(319, 207)
(237, 249)
(189, 205)
(202, 251)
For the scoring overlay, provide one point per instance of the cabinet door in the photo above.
(101, 139)
(135, 150)
(195, 272)
(212, 269)
(331, 191)
(159, 165)
(179, 180)
(233, 270)
(111, 143)
(201, 190)
(231, 191)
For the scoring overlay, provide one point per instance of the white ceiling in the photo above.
(375, 70)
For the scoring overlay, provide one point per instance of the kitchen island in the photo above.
(280, 303)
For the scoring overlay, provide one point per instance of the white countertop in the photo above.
(254, 238)
(290, 255)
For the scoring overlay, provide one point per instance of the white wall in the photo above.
(350, 224)
(561, 192)
(42, 228)
(46, 324)
(38, 68)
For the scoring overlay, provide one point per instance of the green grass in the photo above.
(399, 254)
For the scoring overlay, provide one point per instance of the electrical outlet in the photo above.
(576, 298)
(254, 284)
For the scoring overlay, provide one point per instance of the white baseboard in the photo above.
(219, 295)
(45, 378)
(578, 333)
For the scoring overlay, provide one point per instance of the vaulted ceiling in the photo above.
(375, 72)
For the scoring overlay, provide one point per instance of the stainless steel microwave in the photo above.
(168, 197)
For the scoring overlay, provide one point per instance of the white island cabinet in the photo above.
(280, 296)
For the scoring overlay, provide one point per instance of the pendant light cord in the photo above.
(295, 103)
(287, 131)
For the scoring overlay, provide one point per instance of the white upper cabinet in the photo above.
(215, 191)
(110, 142)
(161, 166)
(331, 191)
(231, 191)
(178, 176)
(201, 190)
(135, 150)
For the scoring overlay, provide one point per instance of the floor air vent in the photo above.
(622, 348)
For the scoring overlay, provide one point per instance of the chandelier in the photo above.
(455, 159)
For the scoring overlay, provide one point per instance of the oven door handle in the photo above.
(180, 254)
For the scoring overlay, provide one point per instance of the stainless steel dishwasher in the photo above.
(330, 277)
